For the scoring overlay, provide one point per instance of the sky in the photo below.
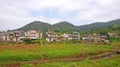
(17, 13)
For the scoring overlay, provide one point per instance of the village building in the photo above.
(113, 34)
(14, 36)
(51, 36)
(33, 34)
(95, 39)
(67, 36)
(104, 39)
(86, 39)
(5, 36)
(18, 36)
(75, 36)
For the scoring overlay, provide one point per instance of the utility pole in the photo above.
(39, 36)
(40, 39)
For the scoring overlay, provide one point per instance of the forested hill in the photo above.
(65, 26)
(99, 25)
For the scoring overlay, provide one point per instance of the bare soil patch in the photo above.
(14, 47)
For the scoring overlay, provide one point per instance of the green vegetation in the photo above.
(27, 41)
(112, 26)
(51, 51)
(36, 25)
(65, 26)
(86, 63)
(6, 43)
(17, 55)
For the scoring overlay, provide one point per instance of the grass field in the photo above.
(114, 62)
(24, 53)
(32, 52)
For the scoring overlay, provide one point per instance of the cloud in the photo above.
(17, 13)
(44, 19)
(102, 11)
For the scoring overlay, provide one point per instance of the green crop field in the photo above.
(24, 53)
(114, 62)
(51, 51)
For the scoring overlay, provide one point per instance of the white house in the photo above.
(113, 34)
(5, 36)
(67, 36)
(14, 36)
(32, 34)
(85, 37)
(75, 36)
(51, 36)
(95, 39)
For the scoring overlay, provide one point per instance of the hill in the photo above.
(99, 25)
(65, 26)
(62, 26)
(36, 25)
(93, 26)
(112, 26)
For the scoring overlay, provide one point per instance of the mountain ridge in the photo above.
(65, 26)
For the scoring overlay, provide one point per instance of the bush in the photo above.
(27, 41)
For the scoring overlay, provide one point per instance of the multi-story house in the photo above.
(33, 34)
(18, 36)
(113, 34)
(5, 36)
(75, 36)
(14, 36)
(86, 39)
(104, 39)
(95, 39)
(51, 36)
(67, 36)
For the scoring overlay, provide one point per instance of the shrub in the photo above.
(27, 41)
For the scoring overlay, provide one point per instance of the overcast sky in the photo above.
(17, 13)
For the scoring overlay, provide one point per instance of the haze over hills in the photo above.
(65, 26)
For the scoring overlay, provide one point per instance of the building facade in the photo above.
(14, 36)
(75, 36)
(32, 34)
(51, 36)
(67, 36)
